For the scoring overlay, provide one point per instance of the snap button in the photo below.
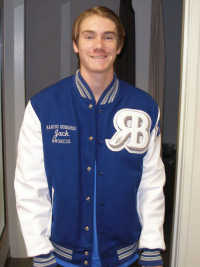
(90, 106)
(87, 228)
(90, 138)
(86, 253)
(87, 198)
(85, 262)
(89, 169)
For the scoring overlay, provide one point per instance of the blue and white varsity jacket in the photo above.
(65, 140)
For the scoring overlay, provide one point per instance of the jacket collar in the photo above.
(108, 95)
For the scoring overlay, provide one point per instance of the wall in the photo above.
(4, 238)
(172, 15)
(2, 204)
(142, 10)
(14, 108)
(4, 241)
(49, 53)
(15, 98)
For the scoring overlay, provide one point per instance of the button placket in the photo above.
(89, 172)
(91, 137)
(100, 172)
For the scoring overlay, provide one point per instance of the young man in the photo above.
(89, 178)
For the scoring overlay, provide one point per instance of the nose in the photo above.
(99, 43)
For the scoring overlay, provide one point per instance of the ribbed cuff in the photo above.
(150, 258)
(47, 260)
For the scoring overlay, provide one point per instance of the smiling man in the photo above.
(89, 178)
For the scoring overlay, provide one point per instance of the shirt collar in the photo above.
(108, 95)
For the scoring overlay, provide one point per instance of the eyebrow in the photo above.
(92, 32)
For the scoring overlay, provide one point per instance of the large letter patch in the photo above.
(133, 131)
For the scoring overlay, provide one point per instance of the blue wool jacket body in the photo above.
(77, 134)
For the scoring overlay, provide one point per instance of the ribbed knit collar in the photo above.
(108, 95)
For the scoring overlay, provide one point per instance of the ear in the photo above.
(75, 47)
(119, 50)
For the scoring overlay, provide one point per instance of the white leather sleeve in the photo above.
(151, 201)
(32, 194)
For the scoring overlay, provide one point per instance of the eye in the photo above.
(89, 37)
(109, 37)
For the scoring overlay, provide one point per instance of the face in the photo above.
(97, 45)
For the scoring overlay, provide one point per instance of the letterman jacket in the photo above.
(65, 140)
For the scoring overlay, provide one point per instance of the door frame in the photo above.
(183, 251)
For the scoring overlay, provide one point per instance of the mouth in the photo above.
(98, 57)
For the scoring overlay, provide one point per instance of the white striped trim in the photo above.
(42, 262)
(113, 88)
(70, 251)
(67, 253)
(126, 251)
(150, 256)
(151, 253)
(127, 254)
(109, 97)
(43, 259)
(82, 89)
(114, 93)
(35, 264)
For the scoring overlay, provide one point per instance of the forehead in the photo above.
(97, 23)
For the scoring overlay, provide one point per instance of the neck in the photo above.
(98, 82)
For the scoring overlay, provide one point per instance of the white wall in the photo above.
(185, 250)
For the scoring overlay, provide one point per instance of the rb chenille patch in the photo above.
(132, 131)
